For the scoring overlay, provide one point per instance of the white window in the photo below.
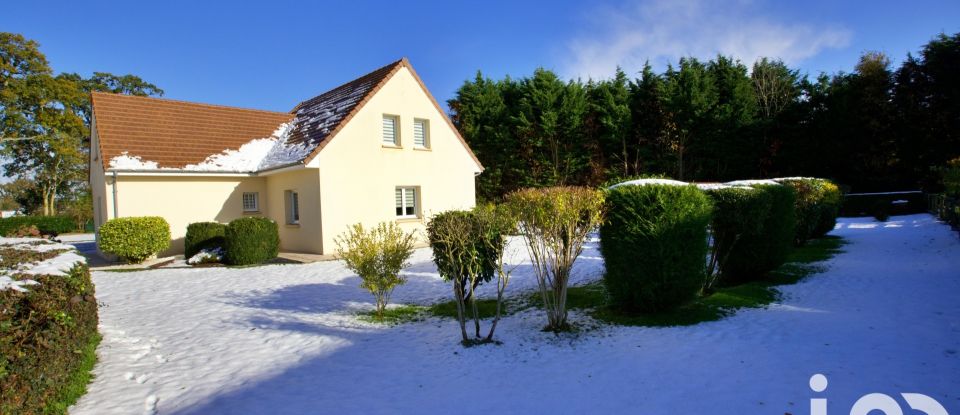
(293, 207)
(421, 133)
(407, 202)
(251, 202)
(391, 130)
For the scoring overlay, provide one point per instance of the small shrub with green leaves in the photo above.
(48, 337)
(738, 217)
(377, 255)
(654, 241)
(468, 249)
(818, 204)
(555, 223)
(251, 240)
(754, 258)
(134, 239)
(203, 235)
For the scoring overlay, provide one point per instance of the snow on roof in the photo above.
(644, 182)
(256, 155)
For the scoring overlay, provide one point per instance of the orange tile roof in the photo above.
(175, 133)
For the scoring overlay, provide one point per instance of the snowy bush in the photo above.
(739, 214)
(654, 241)
(134, 239)
(752, 259)
(203, 235)
(251, 240)
(48, 328)
(207, 256)
(377, 256)
(818, 203)
(468, 248)
(555, 223)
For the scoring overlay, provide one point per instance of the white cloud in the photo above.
(662, 31)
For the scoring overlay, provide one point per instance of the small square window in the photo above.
(293, 207)
(391, 130)
(407, 202)
(421, 133)
(251, 202)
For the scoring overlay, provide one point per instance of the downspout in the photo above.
(115, 209)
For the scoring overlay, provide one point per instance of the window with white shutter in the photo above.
(391, 130)
(421, 133)
(407, 202)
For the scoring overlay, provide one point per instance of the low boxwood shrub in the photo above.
(739, 215)
(654, 241)
(818, 203)
(134, 239)
(752, 259)
(48, 337)
(47, 225)
(203, 235)
(251, 240)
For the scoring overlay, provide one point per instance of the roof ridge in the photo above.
(390, 65)
(178, 101)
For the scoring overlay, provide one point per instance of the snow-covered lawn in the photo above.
(284, 339)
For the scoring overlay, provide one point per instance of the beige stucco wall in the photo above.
(184, 200)
(305, 236)
(358, 175)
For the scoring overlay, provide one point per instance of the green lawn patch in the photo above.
(802, 262)
(403, 313)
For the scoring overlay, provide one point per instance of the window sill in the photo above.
(408, 219)
(423, 149)
(251, 212)
(391, 147)
(292, 225)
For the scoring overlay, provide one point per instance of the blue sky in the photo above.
(271, 55)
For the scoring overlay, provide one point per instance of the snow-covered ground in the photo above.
(282, 339)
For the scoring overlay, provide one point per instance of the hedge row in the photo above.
(251, 240)
(765, 243)
(47, 342)
(818, 204)
(654, 242)
(47, 225)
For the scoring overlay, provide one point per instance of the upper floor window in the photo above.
(421, 133)
(407, 202)
(391, 130)
(251, 202)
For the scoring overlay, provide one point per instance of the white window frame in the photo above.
(256, 201)
(396, 131)
(292, 207)
(403, 202)
(426, 133)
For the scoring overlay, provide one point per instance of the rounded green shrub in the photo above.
(654, 241)
(754, 258)
(134, 239)
(203, 235)
(251, 240)
(817, 206)
(739, 215)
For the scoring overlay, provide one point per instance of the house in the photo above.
(378, 148)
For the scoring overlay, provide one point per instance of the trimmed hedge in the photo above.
(251, 240)
(817, 206)
(134, 239)
(654, 242)
(47, 343)
(739, 215)
(753, 258)
(870, 204)
(47, 225)
(203, 235)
